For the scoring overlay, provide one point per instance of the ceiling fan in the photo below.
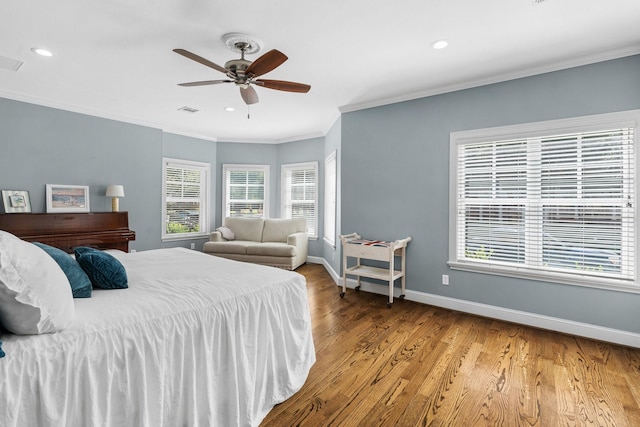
(245, 73)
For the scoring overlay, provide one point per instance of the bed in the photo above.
(194, 340)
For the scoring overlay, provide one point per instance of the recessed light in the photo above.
(439, 44)
(41, 51)
(229, 109)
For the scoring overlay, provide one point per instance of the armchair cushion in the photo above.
(246, 228)
(230, 247)
(277, 229)
(272, 249)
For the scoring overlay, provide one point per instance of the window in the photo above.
(330, 181)
(551, 201)
(299, 196)
(185, 212)
(246, 190)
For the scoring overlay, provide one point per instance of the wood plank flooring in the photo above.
(419, 365)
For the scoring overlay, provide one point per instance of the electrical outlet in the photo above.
(193, 246)
(445, 279)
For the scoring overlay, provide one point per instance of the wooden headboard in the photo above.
(101, 230)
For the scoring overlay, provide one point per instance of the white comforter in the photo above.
(196, 340)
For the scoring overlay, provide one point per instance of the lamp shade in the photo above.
(115, 191)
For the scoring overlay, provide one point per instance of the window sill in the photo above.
(329, 242)
(547, 276)
(185, 237)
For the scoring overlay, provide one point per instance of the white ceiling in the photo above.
(114, 58)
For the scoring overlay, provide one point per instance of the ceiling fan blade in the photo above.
(249, 95)
(283, 85)
(200, 59)
(267, 62)
(205, 82)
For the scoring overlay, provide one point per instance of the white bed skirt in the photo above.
(196, 340)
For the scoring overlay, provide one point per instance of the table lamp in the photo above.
(115, 191)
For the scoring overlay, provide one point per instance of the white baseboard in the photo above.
(329, 269)
(587, 330)
(531, 319)
(315, 260)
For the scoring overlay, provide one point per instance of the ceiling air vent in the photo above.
(188, 109)
(10, 64)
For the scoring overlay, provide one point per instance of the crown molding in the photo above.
(190, 135)
(510, 75)
(77, 109)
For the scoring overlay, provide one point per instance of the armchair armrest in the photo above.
(216, 236)
(301, 241)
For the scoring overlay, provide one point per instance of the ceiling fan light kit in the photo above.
(244, 73)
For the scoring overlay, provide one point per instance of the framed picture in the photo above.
(67, 198)
(16, 201)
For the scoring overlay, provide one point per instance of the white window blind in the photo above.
(184, 198)
(299, 194)
(330, 182)
(559, 203)
(246, 190)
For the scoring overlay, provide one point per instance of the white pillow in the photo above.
(35, 294)
(226, 232)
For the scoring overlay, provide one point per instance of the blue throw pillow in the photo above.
(78, 279)
(2, 354)
(103, 269)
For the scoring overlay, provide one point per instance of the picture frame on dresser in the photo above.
(16, 201)
(67, 198)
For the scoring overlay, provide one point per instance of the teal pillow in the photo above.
(78, 279)
(103, 269)
(2, 354)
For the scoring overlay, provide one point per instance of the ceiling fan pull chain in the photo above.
(248, 111)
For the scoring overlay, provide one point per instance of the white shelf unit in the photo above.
(355, 247)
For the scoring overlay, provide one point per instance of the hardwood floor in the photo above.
(419, 365)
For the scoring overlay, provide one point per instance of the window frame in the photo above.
(330, 198)
(205, 170)
(290, 167)
(630, 119)
(227, 168)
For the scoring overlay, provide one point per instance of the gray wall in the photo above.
(395, 170)
(383, 155)
(40, 145)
